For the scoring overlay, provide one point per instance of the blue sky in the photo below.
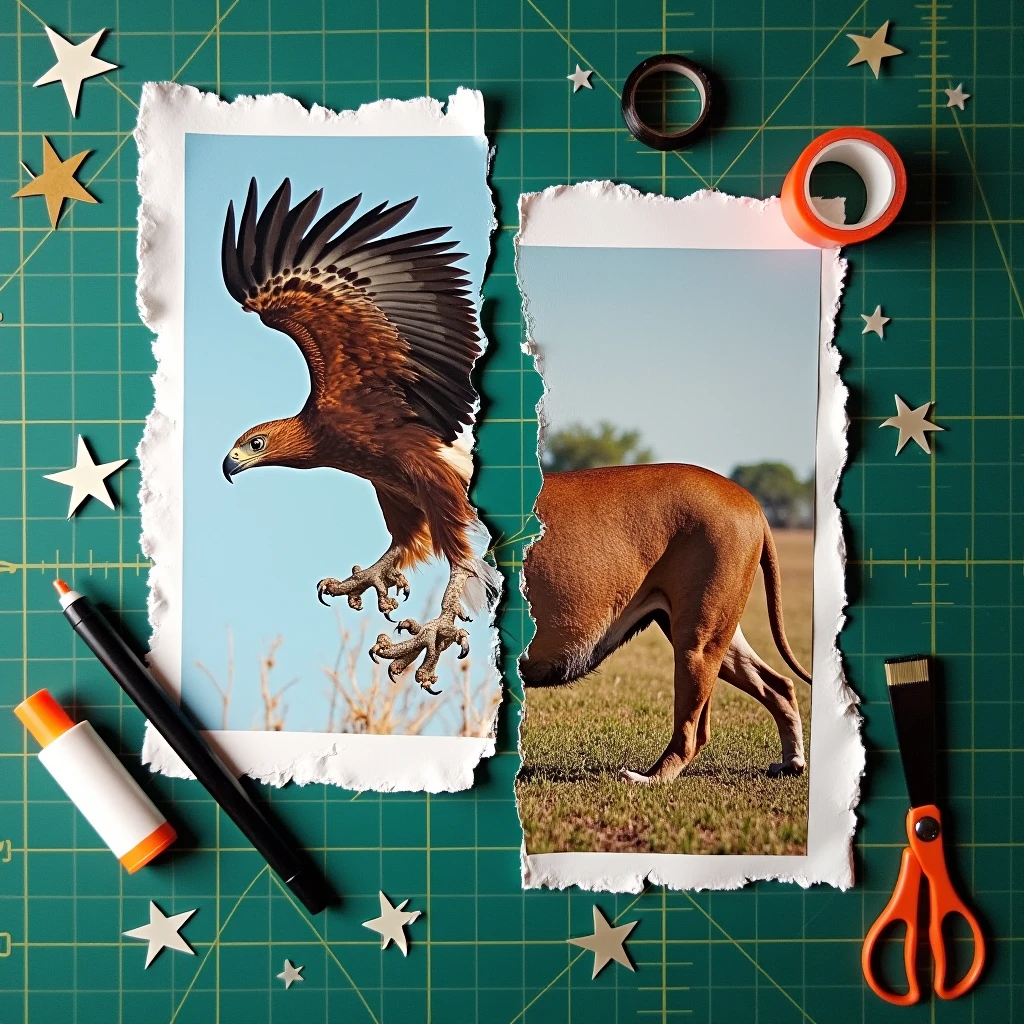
(711, 354)
(254, 550)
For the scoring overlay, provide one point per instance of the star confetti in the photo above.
(87, 478)
(74, 65)
(873, 49)
(391, 924)
(957, 97)
(875, 322)
(57, 182)
(580, 79)
(606, 942)
(162, 932)
(291, 974)
(912, 424)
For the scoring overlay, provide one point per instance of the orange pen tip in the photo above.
(61, 587)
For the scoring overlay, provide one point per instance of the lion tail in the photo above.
(773, 593)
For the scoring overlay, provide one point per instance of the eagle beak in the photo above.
(230, 467)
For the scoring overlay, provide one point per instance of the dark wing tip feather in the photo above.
(229, 258)
(413, 278)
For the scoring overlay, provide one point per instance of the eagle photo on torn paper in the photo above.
(687, 575)
(327, 611)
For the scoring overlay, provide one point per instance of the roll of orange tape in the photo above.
(878, 164)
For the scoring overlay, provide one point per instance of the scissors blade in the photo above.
(912, 697)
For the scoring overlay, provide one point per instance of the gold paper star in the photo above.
(911, 424)
(57, 182)
(606, 942)
(873, 49)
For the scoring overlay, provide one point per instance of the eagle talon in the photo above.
(327, 586)
(380, 577)
(382, 645)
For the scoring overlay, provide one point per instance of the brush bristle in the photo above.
(901, 671)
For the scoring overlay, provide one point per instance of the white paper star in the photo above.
(873, 49)
(290, 973)
(876, 322)
(606, 943)
(957, 97)
(74, 65)
(162, 932)
(86, 478)
(912, 424)
(391, 924)
(580, 79)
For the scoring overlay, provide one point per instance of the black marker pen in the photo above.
(276, 847)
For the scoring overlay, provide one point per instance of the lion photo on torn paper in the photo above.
(674, 550)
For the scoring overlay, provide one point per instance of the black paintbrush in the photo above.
(913, 709)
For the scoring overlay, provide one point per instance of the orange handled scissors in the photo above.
(924, 856)
(913, 708)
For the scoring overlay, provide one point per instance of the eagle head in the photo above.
(277, 443)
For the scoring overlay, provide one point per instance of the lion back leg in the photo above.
(705, 602)
(695, 672)
(742, 667)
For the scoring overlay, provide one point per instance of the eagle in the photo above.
(390, 335)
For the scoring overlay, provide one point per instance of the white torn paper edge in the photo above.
(603, 214)
(167, 112)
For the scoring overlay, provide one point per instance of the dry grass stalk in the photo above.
(478, 705)
(225, 692)
(382, 708)
(273, 711)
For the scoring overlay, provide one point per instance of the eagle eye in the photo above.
(257, 444)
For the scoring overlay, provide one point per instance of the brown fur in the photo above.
(678, 545)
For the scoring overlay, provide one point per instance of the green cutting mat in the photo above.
(934, 543)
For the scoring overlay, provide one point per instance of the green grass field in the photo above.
(575, 739)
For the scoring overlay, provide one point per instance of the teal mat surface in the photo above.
(934, 542)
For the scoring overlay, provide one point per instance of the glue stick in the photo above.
(97, 783)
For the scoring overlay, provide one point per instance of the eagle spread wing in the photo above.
(385, 324)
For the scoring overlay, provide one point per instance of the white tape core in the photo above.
(875, 170)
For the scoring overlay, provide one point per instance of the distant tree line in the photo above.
(581, 447)
(787, 500)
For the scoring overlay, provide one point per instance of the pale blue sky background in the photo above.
(255, 550)
(710, 353)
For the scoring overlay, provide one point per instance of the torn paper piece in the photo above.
(689, 567)
(313, 281)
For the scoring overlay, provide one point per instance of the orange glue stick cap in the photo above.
(43, 717)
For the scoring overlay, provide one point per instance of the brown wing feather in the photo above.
(385, 324)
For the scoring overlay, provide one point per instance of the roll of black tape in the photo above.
(644, 132)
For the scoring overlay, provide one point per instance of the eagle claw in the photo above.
(381, 577)
(431, 640)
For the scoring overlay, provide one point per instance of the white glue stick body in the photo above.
(97, 783)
